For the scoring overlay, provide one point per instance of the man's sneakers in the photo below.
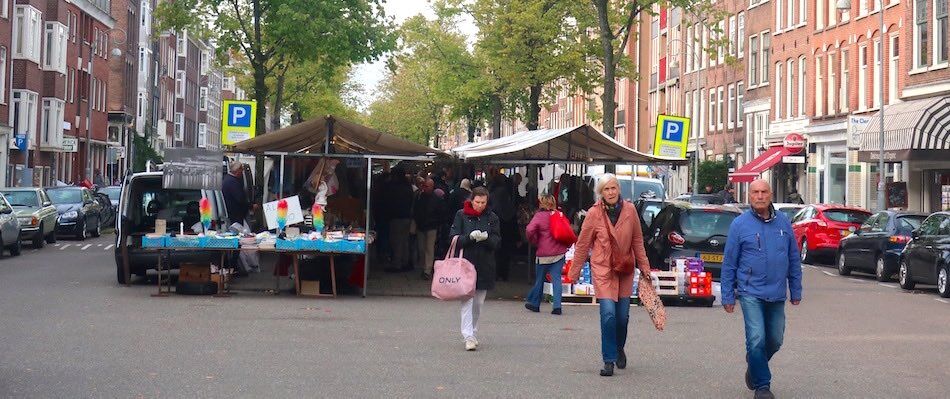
(763, 393)
(532, 307)
(748, 380)
(471, 344)
(621, 359)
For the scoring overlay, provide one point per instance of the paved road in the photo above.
(69, 331)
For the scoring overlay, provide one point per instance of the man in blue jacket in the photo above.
(761, 268)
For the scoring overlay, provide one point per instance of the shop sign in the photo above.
(856, 126)
(70, 144)
(794, 142)
(798, 159)
(672, 135)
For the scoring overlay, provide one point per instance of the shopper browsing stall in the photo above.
(549, 255)
(478, 235)
(611, 220)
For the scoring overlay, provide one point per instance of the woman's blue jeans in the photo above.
(534, 296)
(614, 316)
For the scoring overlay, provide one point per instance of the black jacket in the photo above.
(481, 254)
(232, 189)
(428, 211)
(399, 199)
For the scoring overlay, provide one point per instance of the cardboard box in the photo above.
(194, 272)
(584, 289)
(309, 287)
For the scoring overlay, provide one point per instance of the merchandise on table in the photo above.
(205, 211)
(154, 240)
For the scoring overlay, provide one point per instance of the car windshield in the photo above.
(790, 211)
(112, 192)
(905, 224)
(642, 189)
(704, 223)
(846, 215)
(65, 196)
(650, 209)
(22, 198)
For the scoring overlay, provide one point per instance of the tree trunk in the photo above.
(495, 116)
(610, 67)
(471, 129)
(260, 94)
(278, 100)
(534, 112)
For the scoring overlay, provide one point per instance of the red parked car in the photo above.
(818, 228)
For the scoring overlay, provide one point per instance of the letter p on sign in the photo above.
(239, 115)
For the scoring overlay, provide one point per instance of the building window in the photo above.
(921, 42)
(778, 90)
(789, 14)
(832, 11)
(23, 112)
(721, 49)
(202, 135)
(689, 48)
(740, 34)
(940, 31)
(181, 44)
(4, 5)
(205, 62)
(831, 84)
(843, 89)
(892, 70)
(712, 109)
(702, 112)
(140, 106)
(820, 13)
(801, 86)
(203, 99)
(862, 77)
(733, 37)
(778, 15)
(802, 11)
(753, 60)
(740, 108)
(143, 59)
(720, 109)
(55, 52)
(27, 33)
(877, 74)
(3, 72)
(180, 84)
(53, 110)
(72, 86)
(731, 107)
(863, 7)
(179, 126)
(819, 87)
(789, 87)
(766, 57)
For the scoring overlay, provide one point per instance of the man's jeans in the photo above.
(764, 332)
(613, 327)
(534, 296)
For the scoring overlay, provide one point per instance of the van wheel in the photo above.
(39, 240)
(16, 248)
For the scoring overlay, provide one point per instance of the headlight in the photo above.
(25, 220)
(70, 215)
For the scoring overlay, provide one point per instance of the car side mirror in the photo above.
(915, 234)
(47, 203)
(6, 210)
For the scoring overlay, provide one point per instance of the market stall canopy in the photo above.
(346, 138)
(583, 144)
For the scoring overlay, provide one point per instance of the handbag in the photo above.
(561, 229)
(620, 261)
(453, 278)
(651, 302)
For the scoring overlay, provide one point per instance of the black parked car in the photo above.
(648, 209)
(79, 212)
(105, 205)
(684, 230)
(926, 258)
(876, 247)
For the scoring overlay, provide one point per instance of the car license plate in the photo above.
(714, 258)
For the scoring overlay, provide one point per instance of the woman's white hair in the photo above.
(602, 181)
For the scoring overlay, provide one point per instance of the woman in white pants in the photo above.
(478, 234)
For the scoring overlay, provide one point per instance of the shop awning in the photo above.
(751, 171)
(347, 138)
(578, 144)
(916, 129)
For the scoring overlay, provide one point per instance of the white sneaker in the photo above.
(475, 340)
(470, 344)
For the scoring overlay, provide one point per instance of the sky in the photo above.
(371, 75)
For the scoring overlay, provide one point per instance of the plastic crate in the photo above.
(309, 245)
(219, 242)
(286, 245)
(344, 246)
(154, 242)
(183, 242)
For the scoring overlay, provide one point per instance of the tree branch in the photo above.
(626, 37)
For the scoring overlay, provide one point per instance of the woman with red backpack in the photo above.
(550, 232)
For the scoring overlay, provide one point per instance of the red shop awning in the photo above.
(750, 171)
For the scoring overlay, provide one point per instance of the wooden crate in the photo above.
(667, 282)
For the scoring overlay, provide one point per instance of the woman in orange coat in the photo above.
(612, 288)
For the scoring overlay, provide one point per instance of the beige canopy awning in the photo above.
(579, 144)
(345, 137)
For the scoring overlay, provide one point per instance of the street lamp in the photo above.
(115, 52)
(845, 5)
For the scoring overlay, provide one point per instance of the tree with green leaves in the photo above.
(275, 35)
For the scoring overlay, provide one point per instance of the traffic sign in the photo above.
(20, 141)
(672, 136)
(238, 122)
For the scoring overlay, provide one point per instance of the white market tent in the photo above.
(579, 144)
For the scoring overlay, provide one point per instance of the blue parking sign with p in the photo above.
(673, 130)
(239, 115)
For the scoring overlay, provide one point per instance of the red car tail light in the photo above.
(900, 239)
(676, 239)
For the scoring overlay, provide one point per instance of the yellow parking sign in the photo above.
(239, 121)
(672, 136)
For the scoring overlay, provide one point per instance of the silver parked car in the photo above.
(9, 228)
(36, 213)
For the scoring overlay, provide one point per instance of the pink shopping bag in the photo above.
(454, 278)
